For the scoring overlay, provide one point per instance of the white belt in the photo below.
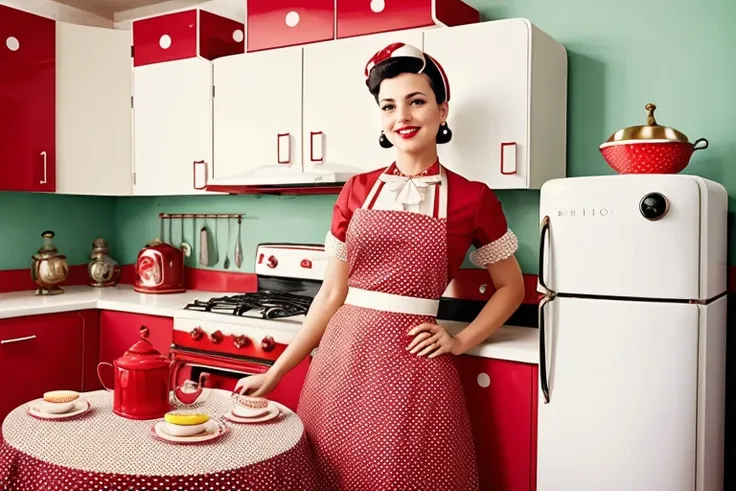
(388, 302)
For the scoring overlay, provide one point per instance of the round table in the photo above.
(100, 450)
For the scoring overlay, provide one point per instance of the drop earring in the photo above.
(384, 142)
(444, 133)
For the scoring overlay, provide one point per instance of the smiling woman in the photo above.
(383, 405)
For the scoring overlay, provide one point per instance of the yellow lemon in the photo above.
(185, 419)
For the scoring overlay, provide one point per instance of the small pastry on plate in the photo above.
(180, 423)
(59, 401)
(248, 406)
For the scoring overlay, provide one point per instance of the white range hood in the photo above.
(282, 177)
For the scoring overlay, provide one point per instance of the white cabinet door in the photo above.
(257, 113)
(93, 117)
(341, 118)
(487, 65)
(172, 127)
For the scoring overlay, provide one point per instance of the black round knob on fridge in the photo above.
(653, 206)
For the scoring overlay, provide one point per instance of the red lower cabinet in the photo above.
(41, 353)
(502, 400)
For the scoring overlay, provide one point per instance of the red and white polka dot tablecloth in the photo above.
(103, 451)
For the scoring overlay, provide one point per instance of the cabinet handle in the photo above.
(17, 340)
(43, 154)
(321, 158)
(278, 148)
(194, 174)
(508, 156)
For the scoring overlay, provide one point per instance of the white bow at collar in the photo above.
(409, 190)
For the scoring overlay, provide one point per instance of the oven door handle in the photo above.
(221, 363)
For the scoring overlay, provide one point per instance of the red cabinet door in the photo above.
(361, 17)
(501, 399)
(27, 101)
(40, 353)
(279, 23)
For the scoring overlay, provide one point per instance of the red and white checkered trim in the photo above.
(498, 250)
(336, 247)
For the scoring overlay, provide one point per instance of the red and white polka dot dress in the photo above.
(378, 417)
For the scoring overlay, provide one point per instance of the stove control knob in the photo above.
(196, 333)
(268, 344)
(272, 262)
(240, 341)
(216, 337)
(653, 206)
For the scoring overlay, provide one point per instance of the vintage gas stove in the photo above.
(230, 336)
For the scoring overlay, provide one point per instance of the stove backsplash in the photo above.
(297, 286)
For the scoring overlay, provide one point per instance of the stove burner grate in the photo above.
(265, 304)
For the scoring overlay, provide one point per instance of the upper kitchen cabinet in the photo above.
(361, 17)
(280, 23)
(257, 114)
(187, 34)
(508, 107)
(27, 101)
(93, 120)
(341, 118)
(172, 98)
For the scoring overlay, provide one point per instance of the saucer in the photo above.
(212, 431)
(273, 412)
(35, 409)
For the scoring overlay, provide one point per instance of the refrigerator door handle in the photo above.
(542, 236)
(543, 349)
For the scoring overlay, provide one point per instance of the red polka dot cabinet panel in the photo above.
(188, 34)
(280, 23)
(501, 399)
(27, 101)
(361, 17)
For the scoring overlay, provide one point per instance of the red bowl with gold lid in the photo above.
(649, 148)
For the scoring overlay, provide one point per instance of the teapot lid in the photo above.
(142, 355)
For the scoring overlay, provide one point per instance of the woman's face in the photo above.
(410, 115)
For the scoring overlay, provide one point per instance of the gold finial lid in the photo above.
(650, 131)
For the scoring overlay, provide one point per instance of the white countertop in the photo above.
(121, 297)
(508, 343)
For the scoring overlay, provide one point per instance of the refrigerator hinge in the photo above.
(697, 302)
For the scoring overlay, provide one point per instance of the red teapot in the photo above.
(143, 380)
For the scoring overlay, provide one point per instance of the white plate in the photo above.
(213, 430)
(81, 406)
(273, 412)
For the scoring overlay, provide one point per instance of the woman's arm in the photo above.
(329, 298)
(509, 283)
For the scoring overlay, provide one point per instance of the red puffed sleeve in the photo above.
(341, 214)
(493, 240)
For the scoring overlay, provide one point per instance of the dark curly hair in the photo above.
(396, 66)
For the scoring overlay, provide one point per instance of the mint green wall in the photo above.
(621, 56)
(76, 221)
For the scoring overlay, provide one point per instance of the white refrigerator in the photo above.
(632, 333)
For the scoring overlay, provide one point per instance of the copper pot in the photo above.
(649, 148)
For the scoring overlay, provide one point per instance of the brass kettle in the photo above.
(49, 268)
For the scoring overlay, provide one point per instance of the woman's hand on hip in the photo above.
(431, 340)
(257, 385)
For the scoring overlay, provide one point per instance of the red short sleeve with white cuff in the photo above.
(493, 240)
(341, 214)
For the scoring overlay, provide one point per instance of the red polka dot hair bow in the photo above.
(403, 50)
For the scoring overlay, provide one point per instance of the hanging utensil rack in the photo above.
(167, 216)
